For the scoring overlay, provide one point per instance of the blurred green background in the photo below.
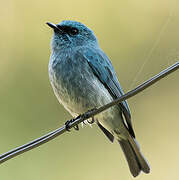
(140, 37)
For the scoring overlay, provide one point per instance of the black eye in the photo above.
(73, 31)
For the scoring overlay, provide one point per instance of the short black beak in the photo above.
(53, 26)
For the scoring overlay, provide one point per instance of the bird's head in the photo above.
(70, 34)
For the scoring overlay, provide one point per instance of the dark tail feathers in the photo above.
(135, 159)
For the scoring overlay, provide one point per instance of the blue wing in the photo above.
(104, 71)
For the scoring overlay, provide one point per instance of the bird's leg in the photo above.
(70, 121)
(87, 121)
(67, 124)
(76, 127)
(92, 119)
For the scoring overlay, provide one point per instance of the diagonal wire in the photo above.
(39, 141)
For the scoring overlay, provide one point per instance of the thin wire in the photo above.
(39, 141)
(156, 42)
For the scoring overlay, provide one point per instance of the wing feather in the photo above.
(104, 71)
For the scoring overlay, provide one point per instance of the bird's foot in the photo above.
(76, 127)
(92, 119)
(67, 123)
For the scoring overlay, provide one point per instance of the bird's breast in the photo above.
(79, 90)
(76, 86)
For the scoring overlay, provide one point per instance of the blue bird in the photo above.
(83, 78)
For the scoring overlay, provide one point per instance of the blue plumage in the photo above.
(83, 77)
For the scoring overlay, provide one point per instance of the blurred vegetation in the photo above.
(131, 33)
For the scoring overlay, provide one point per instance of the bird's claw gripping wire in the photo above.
(76, 127)
(92, 119)
(88, 121)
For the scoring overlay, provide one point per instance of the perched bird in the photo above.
(83, 78)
